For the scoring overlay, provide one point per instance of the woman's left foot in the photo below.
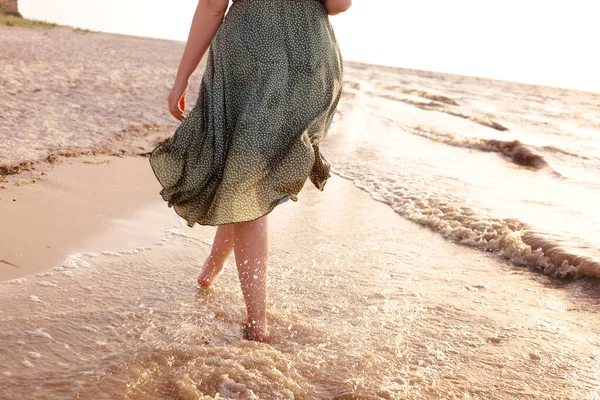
(210, 271)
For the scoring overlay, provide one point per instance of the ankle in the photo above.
(213, 262)
(257, 326)
(256, 331)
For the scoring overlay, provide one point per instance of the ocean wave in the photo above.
(514, 150)
(478, 118)
(436, 105)
(439, 98)
(567, 152)
(457, 220)
(563, 251)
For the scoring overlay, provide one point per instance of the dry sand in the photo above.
(69, 90)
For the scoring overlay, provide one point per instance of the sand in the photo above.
(99, 294)
(362, 303)
(83, 204)
(67, 90)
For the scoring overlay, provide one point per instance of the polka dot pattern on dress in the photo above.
(272, 82)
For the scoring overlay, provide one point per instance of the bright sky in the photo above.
(551, 42)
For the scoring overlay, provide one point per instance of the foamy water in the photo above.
(363, 304)
(499, 166)
(371, 322)
(508, 151)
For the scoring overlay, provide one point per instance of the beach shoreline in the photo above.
(347, 275)
(85, 203)
(407, 277)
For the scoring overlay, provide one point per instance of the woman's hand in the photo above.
(177, 99)
(207, 19)
(335, 7)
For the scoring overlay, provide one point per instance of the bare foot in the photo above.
(256, 332)
(210, 270)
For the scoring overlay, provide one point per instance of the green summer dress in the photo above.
(272, 82)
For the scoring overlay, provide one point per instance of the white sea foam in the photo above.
(41, 333)
(178, 232)
(16, 281)
(36, 299)
(464, 223)
(75, 261)
(131, 251)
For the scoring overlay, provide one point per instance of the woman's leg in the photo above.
(251, 246)
(221, 248)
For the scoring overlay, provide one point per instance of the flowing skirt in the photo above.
(272, 82)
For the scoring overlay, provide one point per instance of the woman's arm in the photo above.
(207, 19)
(335, 7)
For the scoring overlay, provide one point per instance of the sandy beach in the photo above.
(76, 207)
(401, 280)
(364, 304)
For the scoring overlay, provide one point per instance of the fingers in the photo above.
(182, 102)
(176, 100)
(176, 109)
(178, 114)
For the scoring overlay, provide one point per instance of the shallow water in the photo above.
(496, 165)
(364, 303)
(373, 313)
(454, 136)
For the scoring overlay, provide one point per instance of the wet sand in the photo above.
(83, 204)
(521, 152)
(363, 304)
(367, 300)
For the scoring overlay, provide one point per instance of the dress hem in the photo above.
(279, 202)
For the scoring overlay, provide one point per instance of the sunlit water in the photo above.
(495, 165)
(389, 318)
(363, 304)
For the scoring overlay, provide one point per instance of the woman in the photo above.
(272, 82)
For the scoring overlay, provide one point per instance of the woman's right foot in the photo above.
(210, 271)
(256, 332)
